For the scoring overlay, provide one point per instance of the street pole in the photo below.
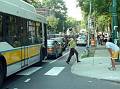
(63, 27)
(89, 25)
(114, 21)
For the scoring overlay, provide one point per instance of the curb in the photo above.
(115, 81)
(87, 52)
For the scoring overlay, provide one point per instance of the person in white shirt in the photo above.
(114, 52)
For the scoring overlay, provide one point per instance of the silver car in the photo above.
(82, 40)
(54, 48)
(61, 41)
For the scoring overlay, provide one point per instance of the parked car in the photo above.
(61, 41)
(82, 40)
(54, 48)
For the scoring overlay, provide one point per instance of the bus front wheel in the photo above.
(2, 73)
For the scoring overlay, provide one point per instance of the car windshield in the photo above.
(50, 42)
(58, 40)
(82, 37)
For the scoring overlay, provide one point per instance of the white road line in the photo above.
(90, 81)
(63, 55)
(15, 88)
(59, 58)
(27, 80)
(54, 71)
(29, 71)
(53, 61)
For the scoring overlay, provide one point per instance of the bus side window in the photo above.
(31, 32)
(37, 36)
(16, 42)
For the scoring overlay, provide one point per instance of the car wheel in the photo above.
(2, 73)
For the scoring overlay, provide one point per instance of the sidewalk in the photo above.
(97, 66)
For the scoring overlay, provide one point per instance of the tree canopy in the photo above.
(100, 11)
(56, 6)
(59, 9)
(52, 23)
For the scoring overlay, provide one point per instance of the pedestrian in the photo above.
(114, 52)
(93, 43)
(98, 39)
(72, 45)
(101, 39)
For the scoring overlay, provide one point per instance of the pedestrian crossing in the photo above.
(54, 71)
(27, 80)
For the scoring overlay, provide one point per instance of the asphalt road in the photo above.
(55, 74)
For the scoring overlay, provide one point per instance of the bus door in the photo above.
(24, 56)
(24, 46)
(44, 31)
(45, 38)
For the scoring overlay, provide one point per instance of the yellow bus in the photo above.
(23, 37)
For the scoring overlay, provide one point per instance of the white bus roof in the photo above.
(21, 9)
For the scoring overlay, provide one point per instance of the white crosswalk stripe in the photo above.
(55, 71)
(53, 61)
(27, 80)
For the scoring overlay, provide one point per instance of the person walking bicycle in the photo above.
(72, 45)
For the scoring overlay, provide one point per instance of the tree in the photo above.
(70, 22)
(52, 23)
(56, 6)
(29, 1)
(100, 11)
(103, 22)
(98, 6)
(35, 3)
(59, 9)
(82, 24)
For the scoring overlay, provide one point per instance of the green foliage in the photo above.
(59, 9)
(99, 6)
(52, 22)
(70, 22)
(55, 5)
(99, 10)
(103, 21)
(35, 3)
(83, 24)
